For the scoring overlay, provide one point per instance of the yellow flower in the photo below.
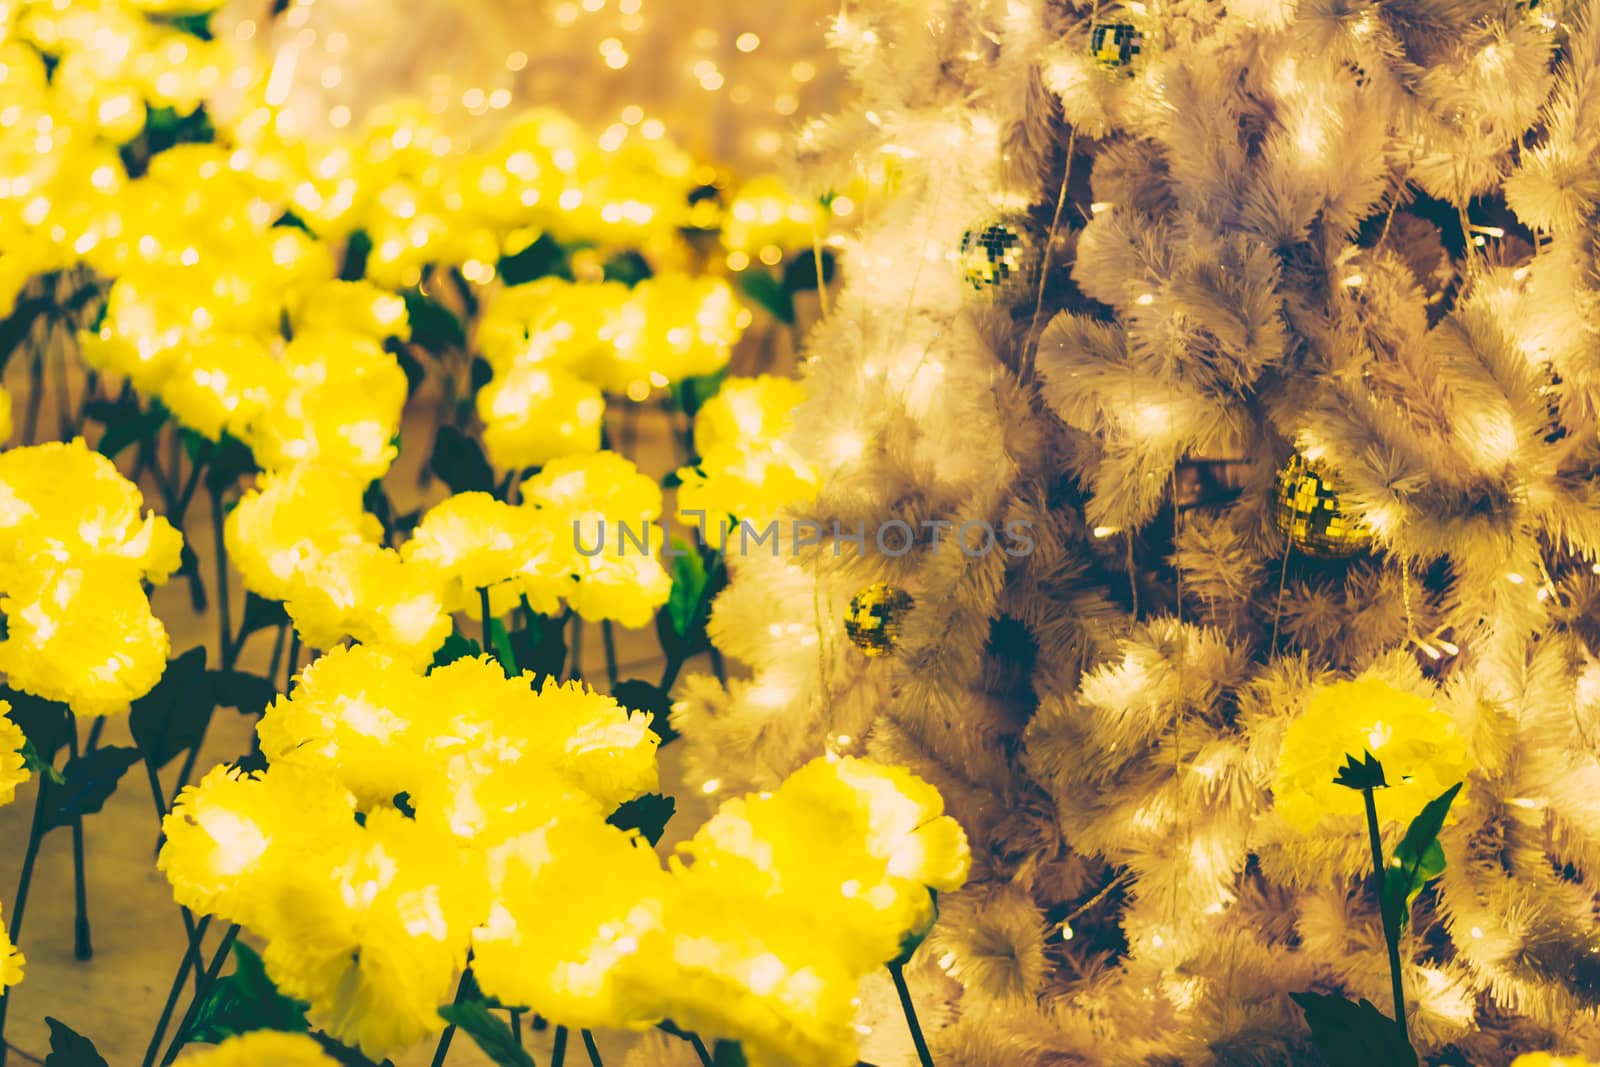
(607, 511)
(83, 634)
(340, 405)
(861, 842)
(571, 900)
(674, 326)
(13, 771)
(12, 961)
(765, 213)
(370, 594)
(550, 321)
(747, 469)
(605, 749)
(227, 836)
(62, 502)
(727, 962)
(280, 531)
(375, 935)
(353, 307)
(1550, 1059)
(533, 414)
(262, 1048)
(356, 715)
(1421, 752)
(5, 416)
(222, 384)
(474, 541)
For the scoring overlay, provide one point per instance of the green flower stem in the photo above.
(449, 1034)
(191, 959)
(487, 619)
(19, 901)
(96, 728)
(1390, 936)
(609, 639)
(182, 1036)
(575, 647)
(700, 1050)
(516, 1026)
(924, 1057)
(591, 1048)
(229, 650)
(82, 948)
(558, 1050)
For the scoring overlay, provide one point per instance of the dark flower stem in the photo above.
(924, 1057)
(191, 959)
(1390, 933)
(593, 1050)
(82, 948)
(182, 1036)
(20, 900)
(488, 620)
(610, 641)
(558, 1050)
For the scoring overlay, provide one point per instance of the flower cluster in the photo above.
(76, 550)
(1417, 743)
(746, 469)
(405, 819)
(259, 1048)
(556, 347)
(764, 217)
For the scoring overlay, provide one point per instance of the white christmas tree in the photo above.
(1235, 373)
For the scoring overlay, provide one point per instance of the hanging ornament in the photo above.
(1113, 45)
(873, 620)
(1307, 509)
(1001, 258)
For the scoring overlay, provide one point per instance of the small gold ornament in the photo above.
(873, 620)
(1307, 509)
(1001, 257)
(1113, 45)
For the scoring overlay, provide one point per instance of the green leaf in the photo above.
(244, 1001)
(172, 717)
(769, 293)
(800, 274)
(541, 646)
(130, 428)
(37, 764)
(261, 614)
(356, 250)
(488, 1032)
(455, 647)
(458, 462)
(1417, 859)
(250, 694)
(1361, 774)
(68, 1048)
(636, 694)
(648, 814)
(688, 586)
(434, 327)
(500, 643)
(629, 268)
(697, 577)
(691, 394)
(1354, 1035)
(89, 781)
(45, 723)
(728, 1054)
(544, 258)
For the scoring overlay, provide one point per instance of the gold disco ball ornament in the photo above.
(1001, 258)
(1308, 511)
(874, 618)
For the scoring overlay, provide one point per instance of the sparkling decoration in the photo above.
(1114, 45)
(873, 621)
(1001, 257)
(1307, 509)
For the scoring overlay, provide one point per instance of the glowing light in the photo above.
(711, 785)
(747, 42)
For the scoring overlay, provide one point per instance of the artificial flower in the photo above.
(280, 531)
(763, 213)
(12, 961)
(369, 593)
(13, 768)
(1418, 744)
(262, 1048)
(533, 414)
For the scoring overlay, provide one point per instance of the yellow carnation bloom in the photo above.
(13, 770)
(83, 634)
(551, 322)
(1421, 752)
(370, 594)
(674, 326)
(353, 307)
(764, 212)
(5, 416)
(571, 901)
(375, 936)
(62, 502)
(222, 384)
(356, 715)
(226, 835)
(262, 1048)
(1550, 1059)
(474, 542)
(747, 470)
(533, 414)
(280, 531)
